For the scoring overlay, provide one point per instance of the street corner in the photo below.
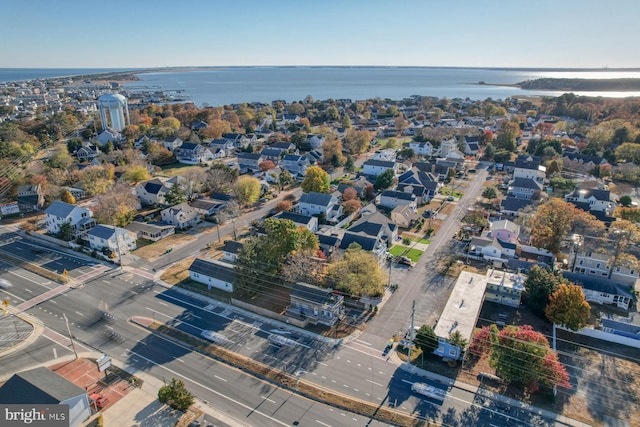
(17, 332)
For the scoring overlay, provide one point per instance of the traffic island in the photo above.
(292, 383)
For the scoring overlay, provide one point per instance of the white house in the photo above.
(421, 148)
(504, 230)
(214, 274)
(193, 154)
(387, 155)
(118, 240)
(504, 288)
(528, 168)
(149, 231)
(181, 216)
(227, 147)
(295, 164)
(524, 188)
(59, 213)
(309, 222)
(447, 146)
(172, 143)
(377, 167)
(152, 192)
(471, 145)
(88, 152)
(595, 199)
(230, 250)
(601, 290)
(318, 203)
(315, 141)
(404, 216)
(489, 249)
(392, 199)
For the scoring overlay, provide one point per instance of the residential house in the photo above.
(386, 155)
(309, 222)
(108, 135)
(601, 290)
(59, 213)
(223, 147)
(601, 264)
(592, 199)
(511, 206)
(193, 154)
(315, 140)
(504, 230)
(316, 305)
(404, 216)
(391, 199)
(460, 314)
(152, 192)
(378, 167)
(315, 156)
(199, 125)
(77, 193)
(214, 274)
(329, 244)
(30, 198)
(249, 162)
(172, 143)
(373, 232)
(87, 152)
(628, 327)
(118, 240)
(288, 147)
(240, 140)
(290, 118)
(272, 154)
(471, 145)
(230, 250)
(421, 148)
(295, 164)
(538, 255)
(359, 185)
(423, 184)
(524, 188)
(181, 216)
(206, 207)
(317, 204)
(581, 163)
(151, 231)
(42, 386)
(448, 146)
(529, 168)
(487, 248)
(504, 288)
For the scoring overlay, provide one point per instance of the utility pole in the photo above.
(411, 337)
(115, 232)
(73, 344)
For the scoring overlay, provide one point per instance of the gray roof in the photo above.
(367, 243)
(598, 284)
(293, 158)
(525, 183)
(314, 294)
(137, 227)
(513, 204)
(381, 163)
(101, 231)
(249, 156)
(38, 386)
(602, 195)
(283, 145)
(214, 269)
(297, 218)
(398, 195)
(271, 152)
(152, 187)
(314, 198)
(232, 247)
(59, 209)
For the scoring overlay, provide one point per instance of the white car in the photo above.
(5, 284)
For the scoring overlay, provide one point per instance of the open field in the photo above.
(158, 248)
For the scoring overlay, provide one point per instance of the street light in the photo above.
(73, 344)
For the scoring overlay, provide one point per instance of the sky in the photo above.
(167, 33)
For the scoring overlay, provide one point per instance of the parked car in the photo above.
(406, 261)
(5, 284)
(472, 171)
(450, 199)
(99, 400)
(107, 317)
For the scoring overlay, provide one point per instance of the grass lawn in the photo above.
(424, 241)
(180, 169)
(446, 191)
(413, 254)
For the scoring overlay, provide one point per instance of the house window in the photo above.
(580, 263)
(452, 352)
(617, 269)
(632, 272)
(598, 265)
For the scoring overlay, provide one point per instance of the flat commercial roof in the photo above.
(463, 307)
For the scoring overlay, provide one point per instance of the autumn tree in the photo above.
(266, 165)
(568, 307)
(346, 121)
(316, 179)
(385, 180)
(116, 206)
(247, 190)
(357, 272)
(350, 206)
(158, 155)
(220, 178)
(284, 206)
(67, 197)
(193, 182)
(60, 159)
(490, 192)
(506, 136)
(332, 149)
(540, 284)
(306, 266)
(349, 193)
(136, 173)
(523, 356)
(357, 141)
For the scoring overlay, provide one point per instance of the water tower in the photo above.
(113, 108)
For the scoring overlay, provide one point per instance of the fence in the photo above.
(605, 336)
(267, 313)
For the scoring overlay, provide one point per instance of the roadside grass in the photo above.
(291, 382)
(447, 191)
(158, 248)
(177, 272)
(412, 254)
(179, 169)
(423, 241)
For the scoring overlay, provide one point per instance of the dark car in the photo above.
(107, 317)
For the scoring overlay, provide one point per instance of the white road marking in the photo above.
(142, 342)
(178, 359)
(220, 378)
(55, 353)
(267, 399)
(163, 303)
(78, 313)
(364, 342)
(373, 382)
(28, 290)
(324, 424)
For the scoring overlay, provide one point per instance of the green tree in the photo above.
(456, 339)
(568, 307)
(247, 190)
(73, 144)
(66, 232)
(285, 178)
(506, 136)
(540, 284)
(426, 339)
(385, 179)
(60, 159)
(175, 195)
(407, 153)
(628, 152)
(625, 201)
(346, 121)
(357, 141)
(136, 173)
(357, 272)
(283, 237)
(490, 192)
(176, 395)
(522, 355)
(489, 151)
(316, 179)
(350, 164)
